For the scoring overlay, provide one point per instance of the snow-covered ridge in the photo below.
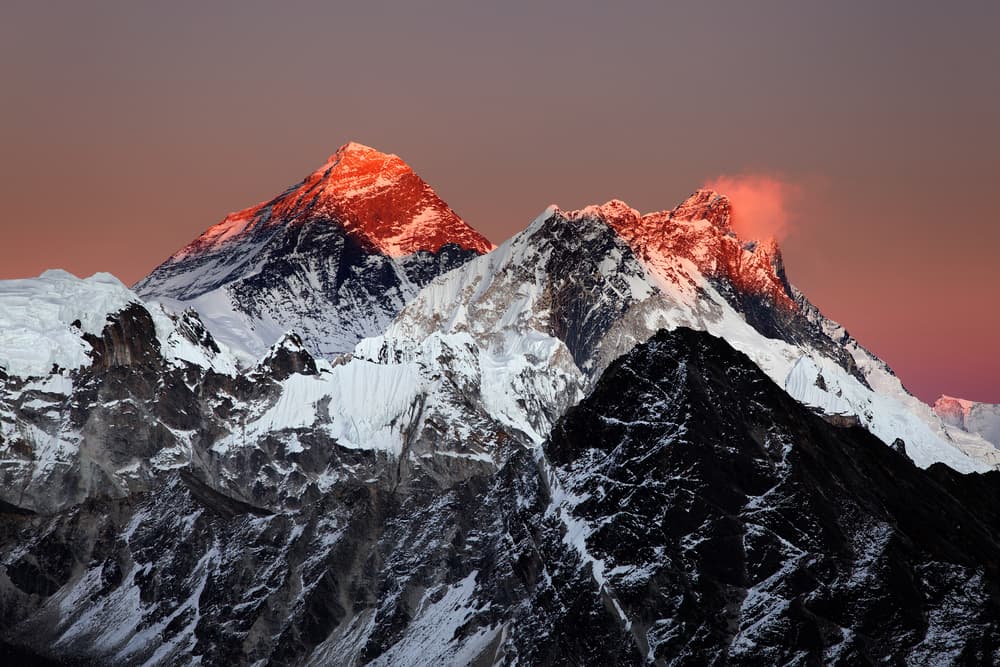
(663, 271)
(375, 196)
(43, 321)
(982, 419)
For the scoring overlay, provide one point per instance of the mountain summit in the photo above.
(378, 199)
(708, 205)
(334, 257)
(699, 232)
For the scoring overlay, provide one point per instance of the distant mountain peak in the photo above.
(982, 419)
(953, 410)
(614, 210)
(355, 147)
(706, 204)
(377, 198)
(334, 257)
(699, 230)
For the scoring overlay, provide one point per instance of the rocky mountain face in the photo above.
(341, 429)
(337, 258)
(579, 288)
(733, 525)
(686, 511)
(333, 258)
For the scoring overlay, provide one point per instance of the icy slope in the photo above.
(981, 419)
(42, 319)
(884, 405)
(44, 323)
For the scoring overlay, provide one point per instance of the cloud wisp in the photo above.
(762, 205)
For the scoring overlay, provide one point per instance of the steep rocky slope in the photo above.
(732, 525)
(95, 408)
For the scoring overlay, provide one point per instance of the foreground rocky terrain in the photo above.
(687, 511)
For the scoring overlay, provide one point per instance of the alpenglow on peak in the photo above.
(377, 198)
(334, 257)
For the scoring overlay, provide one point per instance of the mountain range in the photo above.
(342, 427)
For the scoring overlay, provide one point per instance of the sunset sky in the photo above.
(128, 128)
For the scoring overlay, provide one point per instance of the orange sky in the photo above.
(127, 130)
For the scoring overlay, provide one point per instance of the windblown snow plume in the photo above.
(762, 205)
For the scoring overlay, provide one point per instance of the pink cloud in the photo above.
(761, 204)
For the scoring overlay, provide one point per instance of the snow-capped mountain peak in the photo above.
(956, 409)
(698, 232)
(377, 197)
(705, 204)
(382, 200)
(615, 210)
(982, 419)
(334, 257)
